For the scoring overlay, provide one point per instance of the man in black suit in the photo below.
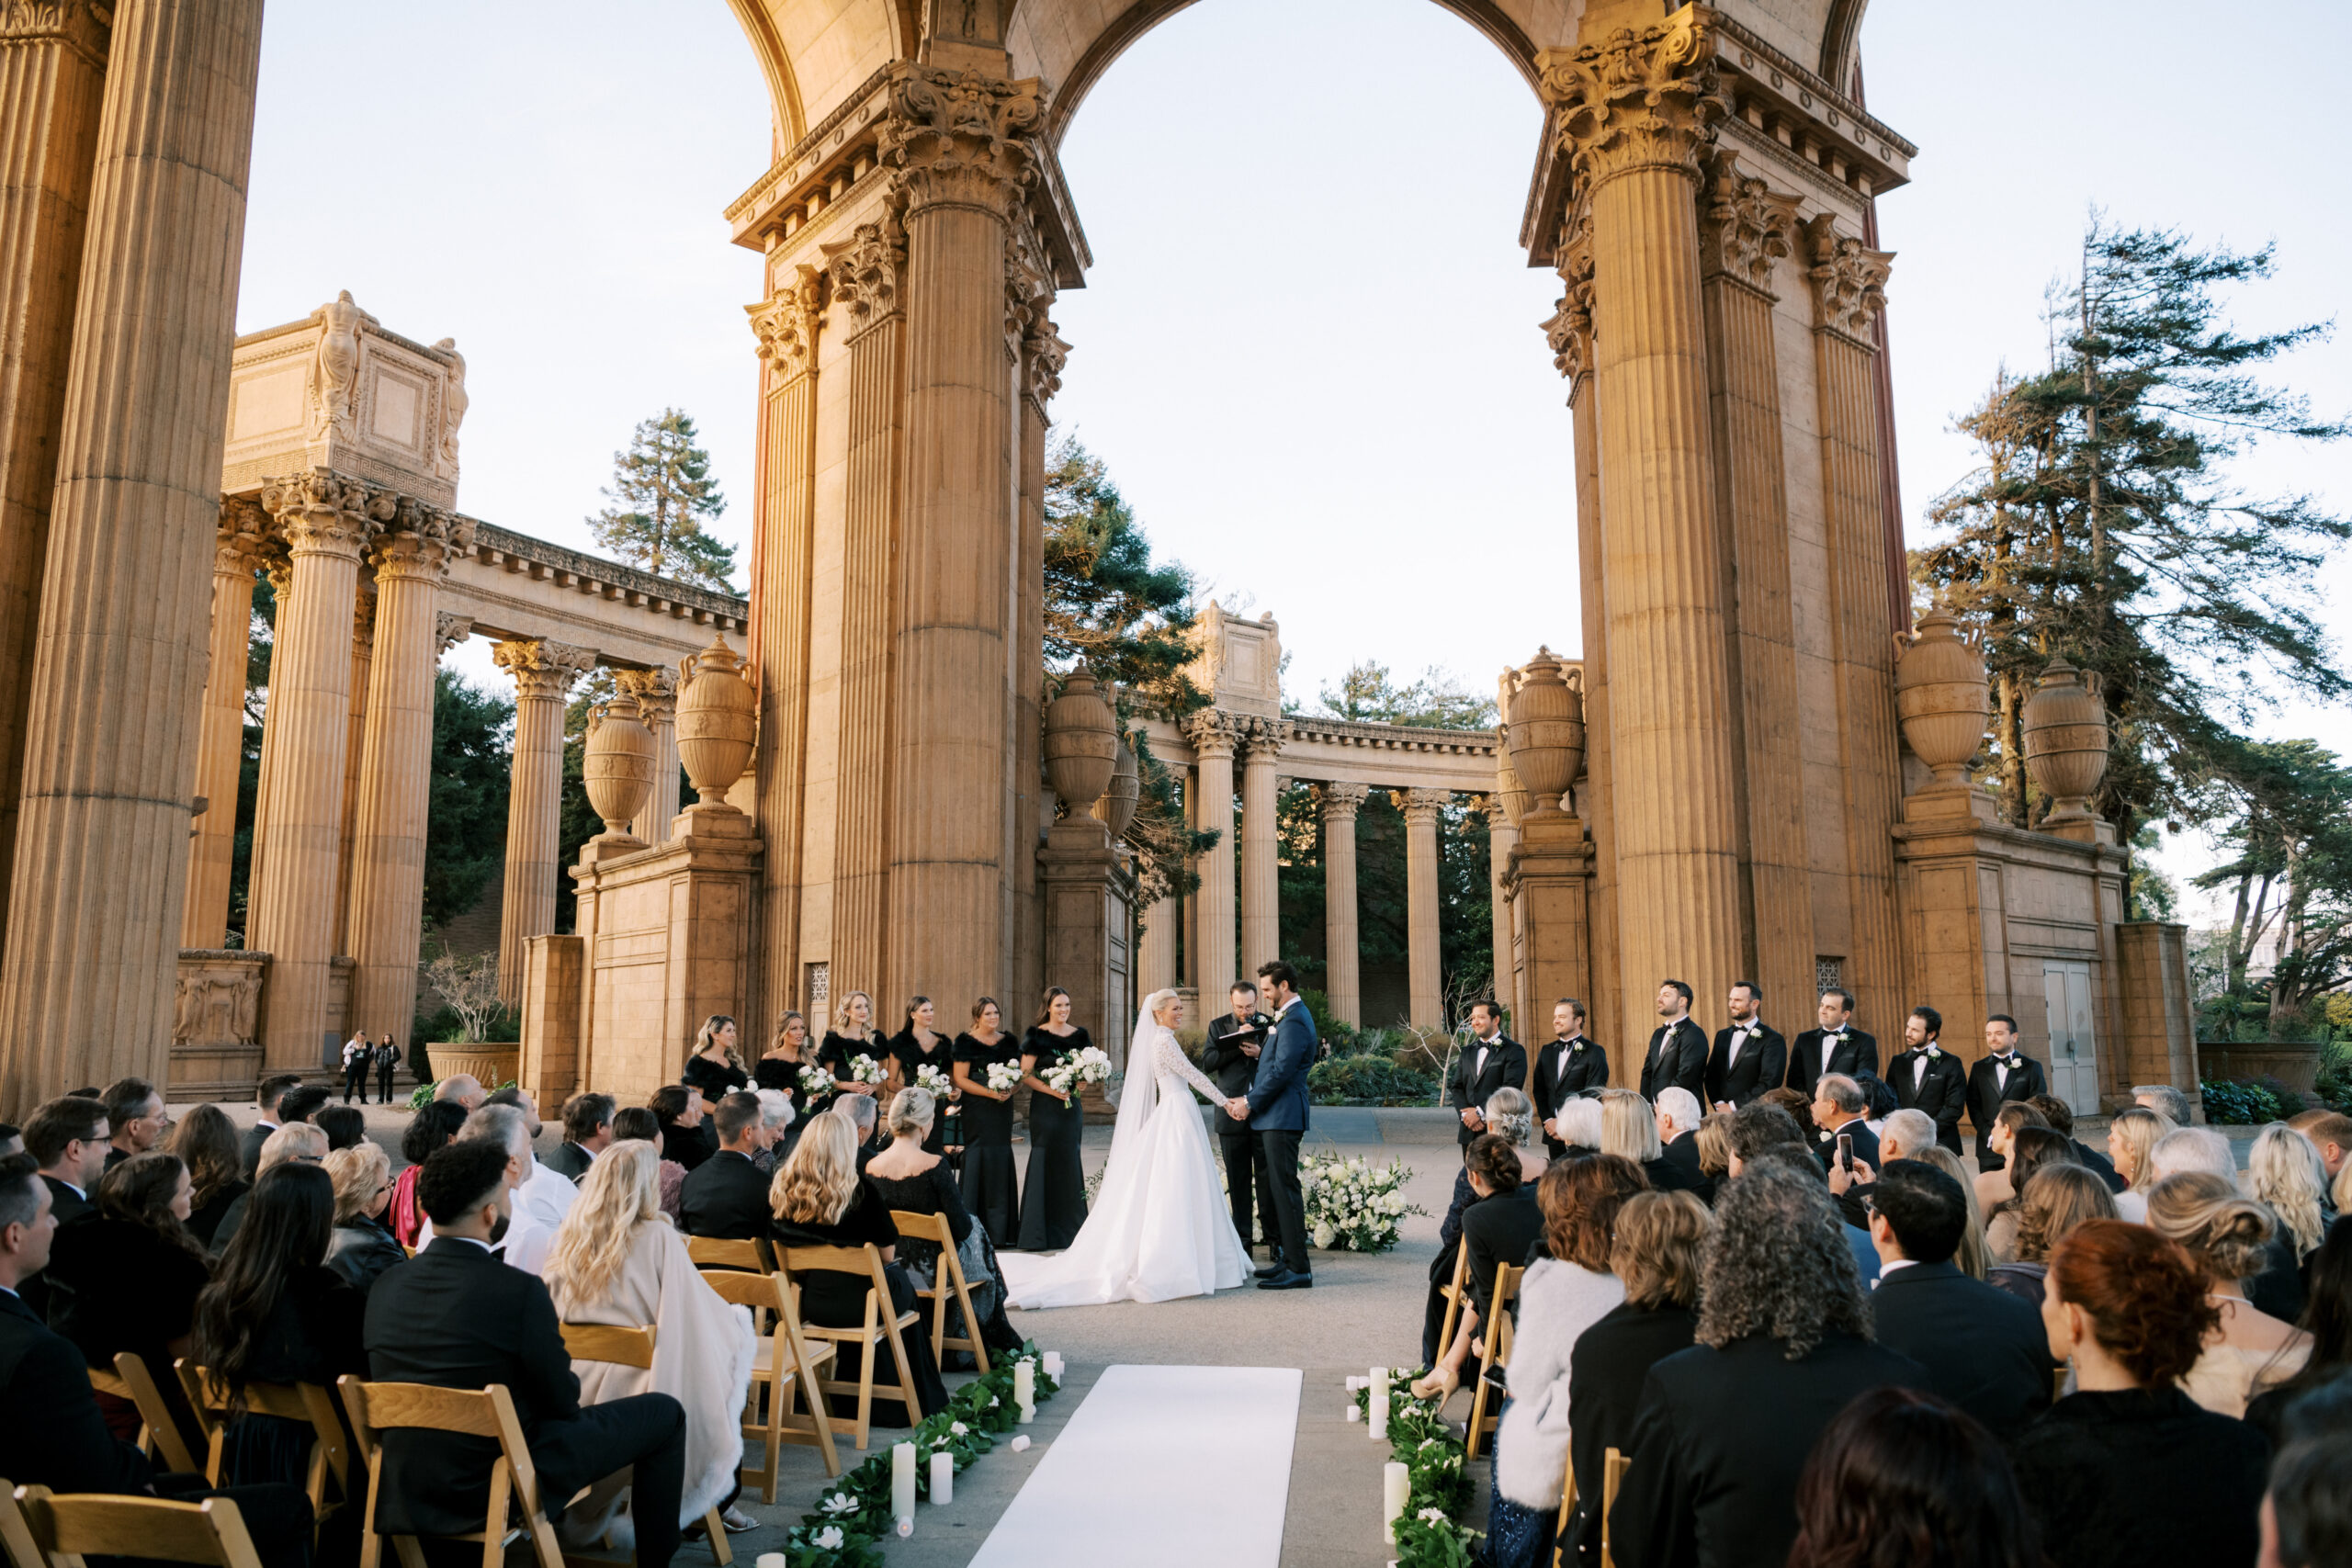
(727, 1195)
(67, 1139)
(1985, 1349)
(2002, 1075)
(136, 1121)
(1926, 1076)
(1678, 1049)
(1839, 1109)
(1230, 1056)
(454, 1316)
(1837, 1046)
(270, 1100)
(1490, 1061)
(1566, 1067)
(2061, 1117)
(587, 1132)
(1749, 1057)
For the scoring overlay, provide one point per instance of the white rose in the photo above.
(1325, 1234)
(957, 1428)
(827, 1539)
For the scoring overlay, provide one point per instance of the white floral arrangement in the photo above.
(1089, 1066)
(864, 1068)
(933, 1081)
(1004, 1077)
(1354, 1205)
(816, 1082)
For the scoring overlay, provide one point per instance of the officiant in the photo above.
(1235, 1040)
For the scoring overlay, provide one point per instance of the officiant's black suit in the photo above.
(1563, 1070)
(1221, 1059)
(1857, 1054)
(1472, 1080)
(1763, 1060)
(1676, 1057)
(1941, 1090)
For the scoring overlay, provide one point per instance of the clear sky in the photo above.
(1308, 346)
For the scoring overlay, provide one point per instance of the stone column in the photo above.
(1422, 950)
(1632, 117)
(543, 672)
(117, 668)
(1041, 357)
(1156, 953)
(363, 659)
(1262, 907)
(1343, 981)
(395, 783)
(1501, 839)
(959, 142)
(1214, 733)
(220, 748)
(656, 692)
(298, 827)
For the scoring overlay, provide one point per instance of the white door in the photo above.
(2074, 1055)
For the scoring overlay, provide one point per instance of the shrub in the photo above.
(2234, 1102)
(1368, 1081)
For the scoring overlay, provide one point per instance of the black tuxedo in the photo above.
(455, 1317)
(1763, 1062)
(1987, 1094)
(249, 1147)
(1865, 1144)
(1221, 1059)
(1682, 1156)
(68, 1204)
(1858, 1053)
(1677, 1058)
(570, 1160)
(1941, 1091)
(1470, 1083)
(726, 1197)
(1985, 1349)
(1563, 1070)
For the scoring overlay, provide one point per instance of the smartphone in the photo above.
(1845, 1151)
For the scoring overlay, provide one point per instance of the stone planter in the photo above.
(1116, 810)
(2292, 1063)
(2065, 741)
(1941, 693)
(1547, 728)
(491, 1063)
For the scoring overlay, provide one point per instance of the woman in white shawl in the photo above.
(618, 1261)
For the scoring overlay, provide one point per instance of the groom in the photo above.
(1275, 1108)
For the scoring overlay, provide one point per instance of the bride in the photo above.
(1160, 1227)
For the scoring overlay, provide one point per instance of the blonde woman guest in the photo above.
(2132, 1140)
(1715, 1147)
(716, 1068)
(618, 1261)
(1629, 1130)
(2229, 1237)
(2031, 1150)
(912, 1178)
(1974, 1259)
(851, 1035)
(2285, 1170)
(2058, 1199)
(362, 1246)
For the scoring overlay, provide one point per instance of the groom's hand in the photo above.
(1238, 1109)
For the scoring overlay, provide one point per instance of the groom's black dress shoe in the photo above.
(1273, 1269)
(1288, 1282)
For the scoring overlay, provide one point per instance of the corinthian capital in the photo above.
(960, 138)
(656, 692)
(786, 326)
(320, 513)
(242, 540)
(1638, 100)
(1264, 736)
(1569, 330)
(1213, 732)
(542, 668)
(420, 540)
(865, 272)
(1849, 279)
(1421, 806)
(1043, 368)
(1744, 224)
(1342, 800)
(83, 26)
(449, 630)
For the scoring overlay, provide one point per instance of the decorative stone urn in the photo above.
(1117, 807)
(1081, 742)
(1546, 744)
(2065, 741)
(718, 719)
(619, 765)
(1940, 695)
(1507, 787)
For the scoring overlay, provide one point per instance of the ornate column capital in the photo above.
(1042, 369)
(1213, 732)
(1569, 330)
(1848, 279)
(1638, 100)
(241, 539)
(786, 326)
(656, 692)
(450, 629)
(1028, 282)
(1342, 800)
(1264, 737)
(866, 271)
(85, 27)
(363, 621)
(321, 512)
(543, 667)
(419, 542)
(1744, 224)
(960, 139)
(1421, 807)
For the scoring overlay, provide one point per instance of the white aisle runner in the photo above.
(1181, 1466)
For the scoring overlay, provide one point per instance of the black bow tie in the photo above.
(2009, 1061)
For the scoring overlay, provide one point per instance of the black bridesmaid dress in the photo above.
(1053, 1200)
(991, 1190)
(910, 1054)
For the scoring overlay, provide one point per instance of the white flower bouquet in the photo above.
(816, 1083)
(1089, 1066)
(933, 1080)
(1354, 1205)
(1004, 1077)
(864, 1068)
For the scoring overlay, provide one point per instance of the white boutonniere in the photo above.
(1822, 1136)
(1934, 1050)
(1837, 1037)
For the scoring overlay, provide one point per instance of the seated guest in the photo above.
(2061, 1117)
(2330, 1133)
(295, 1143)
(1510, 1115)
(362, 1247)
(2278, 1287)
(67, 1138)
(2228, 1237)
(2128, 1471)
(343, 1125)
(1993, 1187)
(431, 1129)
(587, 1132)
(726, 1196)
(2285, 1171)
(912, 1179)
(127, 1277)
(1678, 1116)
(820, 1200)
(1799, 1107)
(1629, 1131)
(2192, 1149)
(302, 1103)
(1783, 1344)
(275, 1314)
(1714, 1144)
(545, 1195)
(779, 1117)
(462, 1090)
(1655, 1254)
(617, 1261)
(1564, 1293)
(2164, 1100)
(2058, 1199)
(2327, 1318)
(1901, 1468)
(1907, 1133)
(2307, 1512)
(1764, 1133)
(12, 1139)
(2030, 1150)
(1579, 1121)
(1840, 1110)
(1984, 1350)
(1973, 1257)
(636, 1124)
(865, 1116)
(1499, 1227)
(679, 1107)
(135, 1119)
(2131, 1139)
(527, 1236)
(454, 1316)
(268, 1099)
(205, 1142)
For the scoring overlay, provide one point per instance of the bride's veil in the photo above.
(1139, 1091)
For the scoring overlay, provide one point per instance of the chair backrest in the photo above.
(606, 1342)
(132, 1380)
(925, 1227)
(761, 1292)
(1505, 1290)
(866, 1260)
(309, 1402)
(490, 1413)
(710, 1252)
(93, 1524)
(1613, 1468)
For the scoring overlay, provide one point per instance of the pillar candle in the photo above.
(1054, 1365)
(770, 1560)
(902, 1481)
(1025, 1389)
(1395, 1486)
(943, 1477)
(1376, 1405)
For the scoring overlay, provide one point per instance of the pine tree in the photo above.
(662, 496)
(1437, 701)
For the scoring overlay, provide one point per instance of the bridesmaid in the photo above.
(919, 1044)
(989, 1189)
(780, 1068)
(715, 1068)
(851, 1035)
(1054, 1196)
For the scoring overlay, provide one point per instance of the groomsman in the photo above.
(1749, 1058)
(1492, 1061)
(1565, 1068)
(1925, 1077)
(1235, 1041)
(2003, 1075)
(1677, 1058)
(1835, 1047)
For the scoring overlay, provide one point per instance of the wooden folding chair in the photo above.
(881, 1327)
(159, 1433)
(378, 1408)
(709, 1252)
(633, 1348)
(1493, 1355)
(1455, 1295)
(310, 1403)
(1568, 1510)
(786, 1367)
(1612, 1481)
(947, 1284)
(67, 1529)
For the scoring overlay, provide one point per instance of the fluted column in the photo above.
(1214, 734)
(1632, 117)
(1262, 907)
(395, 783)
(220, 733)
(1423, 952)
(1156, 950)
(355, 744)
(1343, 981)
(117, 680)
(544, 672)
(1501, 838)
(656, 692)
(297, 829)
(1042, 357)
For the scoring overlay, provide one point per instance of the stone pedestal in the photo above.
(553, 972)
(2159, 1008)
(216, 1025)
(1546, 883)
(1086, 928)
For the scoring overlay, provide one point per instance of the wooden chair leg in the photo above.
(493, 1548)
(720, 1550)
(865, 1390)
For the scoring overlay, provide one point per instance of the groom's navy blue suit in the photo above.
(1278, 1115)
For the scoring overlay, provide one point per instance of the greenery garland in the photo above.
(1425, 1443)
(854, 1515)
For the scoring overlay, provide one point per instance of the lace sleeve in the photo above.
(1171, 1059)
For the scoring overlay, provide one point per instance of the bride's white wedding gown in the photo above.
(1160, 1227)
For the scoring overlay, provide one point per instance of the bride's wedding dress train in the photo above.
(1160, 1227)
